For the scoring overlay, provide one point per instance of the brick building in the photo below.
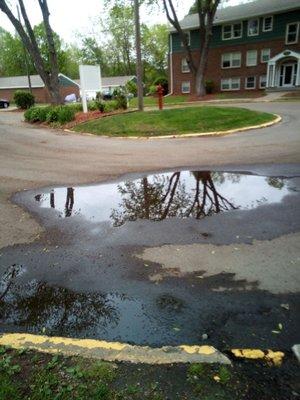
(8, 86)
(254, 46)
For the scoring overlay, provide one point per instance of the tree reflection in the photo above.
(38, 305)
(167, 196)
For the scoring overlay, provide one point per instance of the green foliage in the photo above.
(50, 114)
(152, 90)
(163, 82)
(131, 87)
(9, 389)
(110, 106)
(224, 374)
(121, 99)
(23, 99)
(37, 114)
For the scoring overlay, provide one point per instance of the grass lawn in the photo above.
(29, 375)
(174, 121)
(152, 101)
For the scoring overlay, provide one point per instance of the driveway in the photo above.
(143, 282)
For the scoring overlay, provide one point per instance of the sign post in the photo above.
(90, 81)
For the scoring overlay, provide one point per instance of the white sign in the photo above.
(90, 81)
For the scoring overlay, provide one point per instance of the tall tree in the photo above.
(206, 10)
(48, 73)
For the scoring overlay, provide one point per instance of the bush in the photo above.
(152, 90)
(163, 82)
(209, 86)
(110, 106)
(131, 87)
(60, 114)
(37, 114)
(77, 107)
(24, 99)
(121, 99)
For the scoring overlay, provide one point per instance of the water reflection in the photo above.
(36, 306)
(185, 194)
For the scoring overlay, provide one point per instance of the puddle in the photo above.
(185, 194)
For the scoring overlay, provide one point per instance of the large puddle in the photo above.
(138, 261)
(186, 194)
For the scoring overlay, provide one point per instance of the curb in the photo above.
(114, 351)
(277, 119)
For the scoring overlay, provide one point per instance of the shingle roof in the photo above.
(116, 80)
(19, 82)
(112, 81)
(242, 11)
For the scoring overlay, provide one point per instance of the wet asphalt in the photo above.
(84, 279)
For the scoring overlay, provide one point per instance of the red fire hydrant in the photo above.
(160, 93)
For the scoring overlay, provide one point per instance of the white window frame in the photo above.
(246, 81)
(232, 37)
(188, 33)
(297, 32)
(261, 55)
(188, 83)
(231, 60)
(247, 60)
(260, 80)
(230, 84)
(248, 26)
(272, 24)
(184, 64)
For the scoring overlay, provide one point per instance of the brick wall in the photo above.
(216, 73)
(41, 94)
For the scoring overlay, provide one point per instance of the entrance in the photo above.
(288, 73)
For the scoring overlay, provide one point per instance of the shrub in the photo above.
(77, 107)
(163, 82)
(24, 99)
(110, 106)
(36, 114)
(121, 99)
(100, 105)
(60, 114)
(131, 87)
(209, 86)
(92, 105)
(152, 90)
(65, 114)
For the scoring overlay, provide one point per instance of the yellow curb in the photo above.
(189, 135)
(114, 351)
(273, 357)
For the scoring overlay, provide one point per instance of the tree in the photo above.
(206, 10)
(48, 73)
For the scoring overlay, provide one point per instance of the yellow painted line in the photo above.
(276, 120)
(273, 357)
(114, 351)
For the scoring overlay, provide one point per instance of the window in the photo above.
(230, 84)
(186, 87)
(263, 81)
(231, 60)
(267, 24)
(253, 27)
(265, 55)
(251, 58)
(250, 82)
(188, 38)
(232, 31)
(292, 33)
(184, 66)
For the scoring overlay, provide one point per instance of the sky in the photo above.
(69, 16)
